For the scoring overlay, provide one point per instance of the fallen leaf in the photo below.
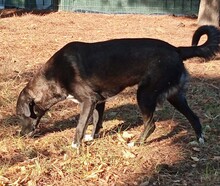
(193, 165)
(196, 149)
(121, 139)
(126, 135)
(23, 169)
(145, 183)
(65, 157)
(216, 158)
(59, 171)
(194, 143)
(176, 181)
(49, 114)
(31, 183)
(128, 154)
(3, 179)
(194, 158)
(131, 144)
(94, 174)
(207, 128)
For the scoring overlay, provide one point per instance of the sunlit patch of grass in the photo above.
(7, 98)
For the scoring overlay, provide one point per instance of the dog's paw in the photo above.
(201, 141)
(88, 137)
(75, 145)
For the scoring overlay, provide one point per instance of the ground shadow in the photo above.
(118, 113)
(125, 113)
(22, 12)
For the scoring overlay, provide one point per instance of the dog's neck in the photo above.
(45, 93)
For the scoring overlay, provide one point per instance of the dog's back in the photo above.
(109, 67)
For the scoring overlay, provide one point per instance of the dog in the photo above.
(90, 73)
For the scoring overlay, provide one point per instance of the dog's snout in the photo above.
(27, 131)
(27, 126)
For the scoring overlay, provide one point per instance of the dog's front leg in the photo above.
(87, 109)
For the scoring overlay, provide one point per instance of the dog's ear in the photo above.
(33, 110)
(29, 110)
(26, 110)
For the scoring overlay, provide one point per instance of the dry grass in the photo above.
(170, 158)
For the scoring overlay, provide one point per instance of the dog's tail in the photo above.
(206, 50)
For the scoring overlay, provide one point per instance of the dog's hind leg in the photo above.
(97, 119)
(147, 104)
(178, 100)
(87, 109)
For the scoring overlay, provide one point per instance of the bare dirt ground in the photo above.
(172, 157)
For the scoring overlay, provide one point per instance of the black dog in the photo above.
(93, 72)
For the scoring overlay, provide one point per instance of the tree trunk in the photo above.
(209, 12)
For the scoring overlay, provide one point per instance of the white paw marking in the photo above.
(88, 137)
(194, 143)
(74, 145)
(201, 141)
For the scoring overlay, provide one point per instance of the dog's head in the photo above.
(29, 113)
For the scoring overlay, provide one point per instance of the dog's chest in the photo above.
(72, 98)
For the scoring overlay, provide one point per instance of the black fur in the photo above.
(93, 72)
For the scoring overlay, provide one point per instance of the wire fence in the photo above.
(184, 7)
